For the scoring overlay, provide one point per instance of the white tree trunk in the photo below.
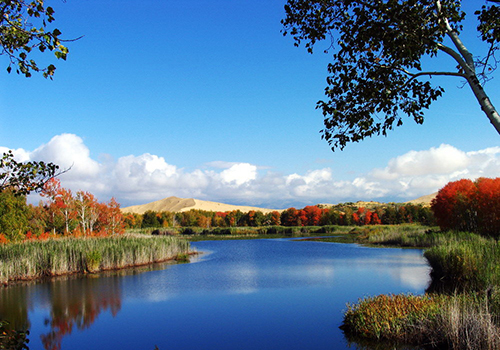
(484, 102)
(466, 61)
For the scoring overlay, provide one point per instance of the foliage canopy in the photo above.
(376, 75)
(24, 28)
(23, 178)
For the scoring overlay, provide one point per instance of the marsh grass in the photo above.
(472, 264)
(392, 317)
(456, 322)
(35, 259)
(465, 313)
(408, 235)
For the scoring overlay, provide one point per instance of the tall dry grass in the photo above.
(35, 259)
(466, 323)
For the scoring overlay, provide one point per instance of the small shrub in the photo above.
(93, 261)
(182, 257)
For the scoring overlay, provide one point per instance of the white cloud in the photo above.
(135, 179)
(68, 151)
(441, 160)
(239, 174)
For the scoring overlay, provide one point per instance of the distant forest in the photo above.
(317, 215)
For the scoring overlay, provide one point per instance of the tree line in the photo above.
(317, 215)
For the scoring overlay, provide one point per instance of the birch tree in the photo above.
(376, 76)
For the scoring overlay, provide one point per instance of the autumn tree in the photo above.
(87, 208)
(204, 221)
(487, 200)
(452, 206)
(313, 215)
(375, 220)
(219, 219)
(62, 201)
(233, 218)
(468, 205)
(289, 217)
(376, 76)
(111, 219)
(275, 218)
(133, 220)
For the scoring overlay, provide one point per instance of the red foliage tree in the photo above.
(375, 219)
(368, 217)
(451, 206)
(111, 219)
(313, 215)
(487, 200)
(469, 206)
(275, 218)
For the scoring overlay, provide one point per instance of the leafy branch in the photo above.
(24, 178)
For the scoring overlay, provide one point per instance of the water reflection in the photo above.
(245, 294)
(14, 306)
(77, 304)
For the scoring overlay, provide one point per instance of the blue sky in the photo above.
(207, 99)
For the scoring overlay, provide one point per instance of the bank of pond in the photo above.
(460, 309)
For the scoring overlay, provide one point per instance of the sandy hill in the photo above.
(426, 200)
(175, 204)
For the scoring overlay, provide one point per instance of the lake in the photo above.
(241, 294)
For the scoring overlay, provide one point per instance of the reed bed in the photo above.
(36, 259)
(455, 322)
(392, 317)
(410, 235)
(472, 265)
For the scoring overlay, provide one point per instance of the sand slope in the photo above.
(175, 204)
(425, 200)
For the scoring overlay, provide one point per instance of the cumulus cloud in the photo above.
(441, 160)
(419, 172)
(69, 152)
(239, 174)
(135, 179)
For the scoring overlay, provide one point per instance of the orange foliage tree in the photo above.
(467, 205)
(81, 214)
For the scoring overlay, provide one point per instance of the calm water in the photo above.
(255, 294)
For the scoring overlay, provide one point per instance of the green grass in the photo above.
(35, 259)
(471, 264)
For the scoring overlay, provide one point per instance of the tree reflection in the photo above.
(76, 303)
(14, 307)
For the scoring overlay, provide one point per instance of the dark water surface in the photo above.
(250, 294)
